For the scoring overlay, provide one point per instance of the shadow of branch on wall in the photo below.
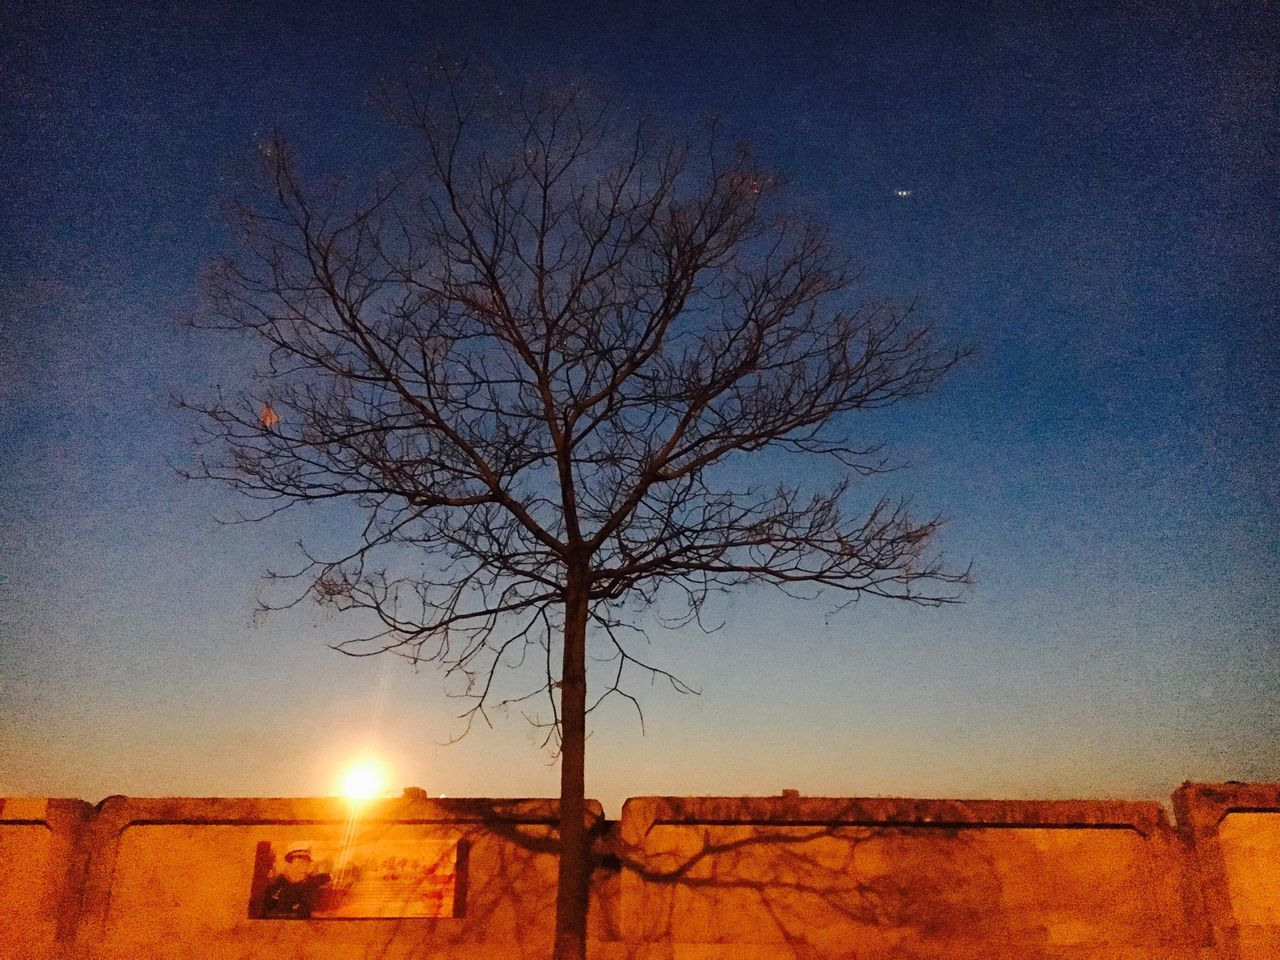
(728, 879)
(502, 905)
(843, 888)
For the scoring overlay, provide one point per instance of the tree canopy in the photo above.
(543, 354)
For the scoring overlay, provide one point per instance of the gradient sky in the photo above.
(1094, 203)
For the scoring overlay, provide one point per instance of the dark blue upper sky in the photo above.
(1093, 203)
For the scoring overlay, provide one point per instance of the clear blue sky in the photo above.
(1093, 204)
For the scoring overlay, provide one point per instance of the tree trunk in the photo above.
(575, 872)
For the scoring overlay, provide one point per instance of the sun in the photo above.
(363, 780)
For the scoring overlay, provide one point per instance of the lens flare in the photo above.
(363, 780)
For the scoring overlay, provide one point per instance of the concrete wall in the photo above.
(1234, 830)
(42, 859)
(908, 879)
(168, 875)
(699, 878)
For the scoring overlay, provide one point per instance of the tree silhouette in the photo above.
(541, 356)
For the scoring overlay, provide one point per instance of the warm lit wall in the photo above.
(779, 878)
(194, 881)
(894, 878)
(40, 858)
(1251, 852)
(1234, 830)
(173, 879)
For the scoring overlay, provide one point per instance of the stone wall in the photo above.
(703, 878)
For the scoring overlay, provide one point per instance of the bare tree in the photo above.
(540, 357)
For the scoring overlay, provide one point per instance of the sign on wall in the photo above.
(326, 879)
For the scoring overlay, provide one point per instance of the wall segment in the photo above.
(1234, 829)
(907, 878)
(704, 878)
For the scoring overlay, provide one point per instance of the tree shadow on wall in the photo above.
(844, 889)
(739, 886)
(503, 898)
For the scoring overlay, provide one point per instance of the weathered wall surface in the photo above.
(41, 862)
(173, 879)
(1234, 830)
(699, 878)
(908, 879)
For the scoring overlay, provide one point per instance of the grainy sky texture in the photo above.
(1093, 203)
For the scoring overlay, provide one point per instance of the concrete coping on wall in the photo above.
(50, 811)
(641, 814)
(118, 812)
(1201, 807)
